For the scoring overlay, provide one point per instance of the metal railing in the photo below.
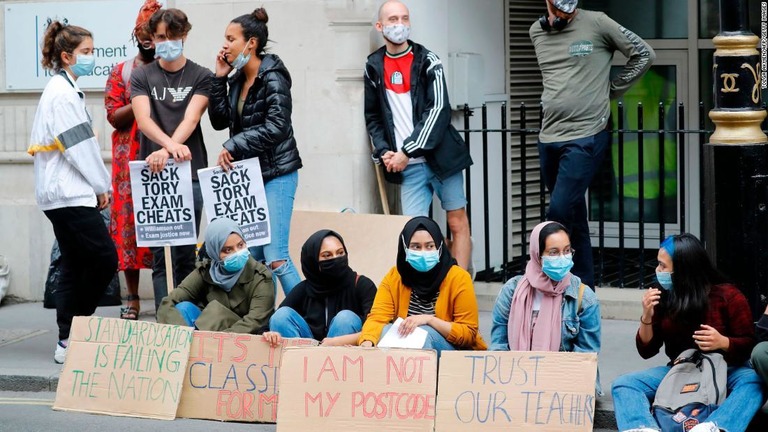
(624, 251)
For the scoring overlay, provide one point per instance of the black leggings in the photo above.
(88, 262)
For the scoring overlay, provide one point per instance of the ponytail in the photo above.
(61, 38)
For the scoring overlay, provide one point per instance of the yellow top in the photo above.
(456, 304)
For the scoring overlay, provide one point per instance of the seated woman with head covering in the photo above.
(333, 301)
(548, 308)
(228, 291)
(429, 291)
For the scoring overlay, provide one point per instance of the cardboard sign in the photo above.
(351, 388)
(123, 367)
(238, 194)
(163, 205)
(233, 376)
(516, 391)
(371, 239)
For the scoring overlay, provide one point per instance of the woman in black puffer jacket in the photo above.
(255, 104)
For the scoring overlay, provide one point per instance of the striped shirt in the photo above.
(420, 306)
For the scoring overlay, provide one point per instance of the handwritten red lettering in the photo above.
(243, 348)
(265, 400)
(199, 357)
(220, 349)
(404, 406)
(328, 367)
(407, 369)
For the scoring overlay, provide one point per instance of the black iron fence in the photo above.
(638, 197)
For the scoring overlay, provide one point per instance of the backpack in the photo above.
(690, 391)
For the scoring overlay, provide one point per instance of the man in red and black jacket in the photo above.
(409, 120)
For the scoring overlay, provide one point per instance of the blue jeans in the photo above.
(189, 311)
(632, 395)
(183, 257)
(419, 183)
(434, 341)
(290, 324)
(280, 193)
(568, 168)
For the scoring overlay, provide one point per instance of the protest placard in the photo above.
(516, 391)
(239, 195)
(123, 367)
(233, 376)
(357, 389)
(163, 206)
(371, 239)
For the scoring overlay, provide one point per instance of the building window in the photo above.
(650, 19)
(709, 17)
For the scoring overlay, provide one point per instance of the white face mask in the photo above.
(396, 33)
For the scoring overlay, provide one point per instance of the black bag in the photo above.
(691, 390)
(111, 295)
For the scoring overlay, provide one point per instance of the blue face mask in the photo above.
(557, 267)
(236, 261)
(665, 280)
(240, 61)
(84, 65)
(422, 261)
(169, 50)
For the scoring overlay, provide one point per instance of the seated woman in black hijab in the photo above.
(333, 301)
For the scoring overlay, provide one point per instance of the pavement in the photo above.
(28, 336)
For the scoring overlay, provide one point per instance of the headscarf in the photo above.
(215, 236)
(547, 332)
(423, 284)
(321, 284)
(147, 9)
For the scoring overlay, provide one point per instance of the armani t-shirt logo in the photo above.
(178, 94)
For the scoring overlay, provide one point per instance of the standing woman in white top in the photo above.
(71, 182)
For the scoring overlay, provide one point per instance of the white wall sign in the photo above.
(110, 21)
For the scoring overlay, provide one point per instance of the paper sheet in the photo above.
(393, 339)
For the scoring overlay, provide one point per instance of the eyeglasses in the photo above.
(555, 252)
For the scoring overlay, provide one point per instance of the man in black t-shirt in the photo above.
(169, 96)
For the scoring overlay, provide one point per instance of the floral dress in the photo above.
(125, 148)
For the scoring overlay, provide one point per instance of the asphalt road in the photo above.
(32, 412)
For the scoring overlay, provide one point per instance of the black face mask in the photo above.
(334, 268)
(147, 54)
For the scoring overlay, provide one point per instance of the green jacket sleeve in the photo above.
(191, 289)
(262, 306)
(641, 56)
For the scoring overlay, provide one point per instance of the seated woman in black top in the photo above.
(333, 301)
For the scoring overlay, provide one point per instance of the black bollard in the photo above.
(736, 160)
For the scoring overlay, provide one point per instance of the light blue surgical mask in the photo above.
(236, 261)
(84, 65)
(169, 50)
(557, 267)
(240, 61)
(665, 280)
(422, 261)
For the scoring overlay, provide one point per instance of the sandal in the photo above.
(131, 312)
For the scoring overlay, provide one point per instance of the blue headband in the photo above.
(669, 245)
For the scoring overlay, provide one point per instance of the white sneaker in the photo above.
(61, 353)
(705, 427)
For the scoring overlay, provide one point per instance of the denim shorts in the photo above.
(419, 183)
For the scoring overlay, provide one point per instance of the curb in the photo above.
(29, 383)
(603, 416)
